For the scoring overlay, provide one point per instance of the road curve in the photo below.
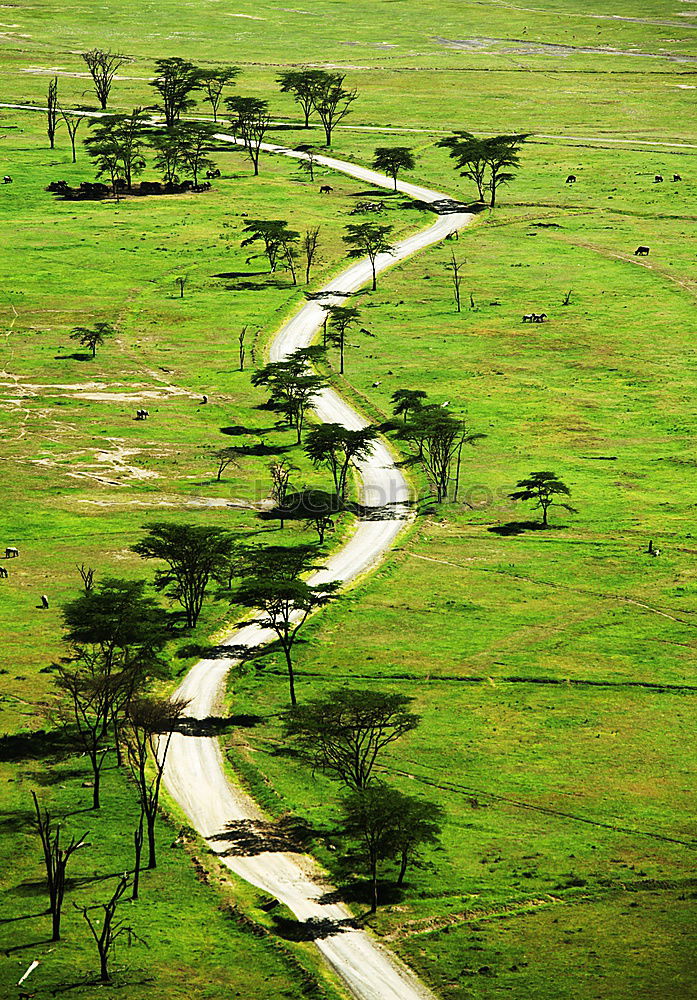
(194, 774)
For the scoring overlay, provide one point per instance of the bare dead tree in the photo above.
(87, 575)
(242, 335)
(103, 66)
(111, 930)
(472, 305)
(454, 265)
(52, 110)
(567, 298)
(56, 860)
(72, 123)
(309, 242)
(147, 734)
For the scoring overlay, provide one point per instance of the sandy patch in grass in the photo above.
(175, 501)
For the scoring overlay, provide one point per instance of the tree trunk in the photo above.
(104, 965)
(341, 350)
(138, 845)
(150, 819)
(375, 277)
(55, 921)
(374, 887)
(95, 784)
(544, 514)
(402, 868)
(291, 676)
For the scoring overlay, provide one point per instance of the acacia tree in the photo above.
(215, 81)
(195, 142)
(251, 119)
(368, 239)
(344, 733)
(106, 936)
(177, 79)
(341, 318)
(303, 85)
(225, 457)
(439, 438)
(406, 401)
(52, 110)
(470, 154)
(124, 631)
(116, 144)
(392, 159)
(543, 488)
(336, 446)
(283, 598)
(273, 233)
(103, 66)
(150, 723)
(193, 553)
(292, 386)
(94, 336)
(377, 819)
(168, 155)
(308, 162)
(316, 508)
(331, 100)
(489, 162)
(56, 858)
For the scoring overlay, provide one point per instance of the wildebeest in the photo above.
(641, 252)
(7, 179)
(58, 187)
(3, 573)
(677, 177)
(142, 414)
(571, 179)
(453, 236)
(44, 601)
(325, 189)
(658, 179)
(205, 399)
(210, 174)
(11, 552)
(376, 383)
(150, 187)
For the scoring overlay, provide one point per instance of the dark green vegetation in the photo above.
(553, 670)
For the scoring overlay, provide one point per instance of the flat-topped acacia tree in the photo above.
(368, 239)
(392, 159)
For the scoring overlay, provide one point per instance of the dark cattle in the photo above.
(150, 187)
(377, 383)
(3, 573)
(325, 189)
(142, 414)
(641, 252)
(677, 177)
(89, 189)
(571, 179)
(7, 179)
(658, 179)
(58, 187)
(187, 186)
(11, 552)
(120, 184)
(529, 318)
(539, 317)
(210, 174)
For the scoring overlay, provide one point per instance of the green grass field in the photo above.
(553, 670)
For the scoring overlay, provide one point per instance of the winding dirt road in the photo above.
(194, 775)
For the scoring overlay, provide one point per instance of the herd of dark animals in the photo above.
(89, 189)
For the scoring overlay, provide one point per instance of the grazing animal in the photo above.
(376, 384)
(210, 174)
(7, 179)
(641, 252)
(453, 236)
(44, 602)
(3, 573)
(658, 179)
(529, 318)
(142, 414)
(205, 399)
(11, 552)
(677, 177)
(653, 551)
(539, 317)
(571, 179)
(325, 189)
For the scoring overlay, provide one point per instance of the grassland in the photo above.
(554, 671)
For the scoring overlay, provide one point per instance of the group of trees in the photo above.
(284, 247)
(489, 162)
(322, 92)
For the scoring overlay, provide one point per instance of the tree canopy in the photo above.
(392, 159)
(543, 488)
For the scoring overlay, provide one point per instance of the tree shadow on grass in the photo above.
(520, 527)
(239, 430)
(39, 745)
(248, 837)
(360, 891)
(73, 357)
(215, 725)
(46, 778)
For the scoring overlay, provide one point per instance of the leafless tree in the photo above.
(309, 242)
(103, 66)
(147, 734)
(111, 930)
(56, 859)
(454, 265)
(52, 110)
(567, 298)
(281, 471)
(87, 576)
(72, 123)
(240, 338)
